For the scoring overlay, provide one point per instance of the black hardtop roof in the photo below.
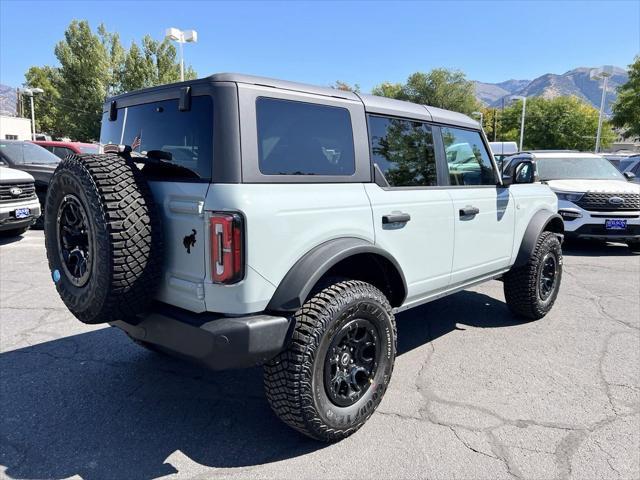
(372, 103)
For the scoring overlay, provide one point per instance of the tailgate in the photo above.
(184, 227)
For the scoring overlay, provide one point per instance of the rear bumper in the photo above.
(215, 341)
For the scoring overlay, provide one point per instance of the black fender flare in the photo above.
(541, 221)
(308, 270)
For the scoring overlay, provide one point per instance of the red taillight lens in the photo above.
(226, 233)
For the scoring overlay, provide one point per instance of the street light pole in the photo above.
(602, 100)
(481, 115)
(181, 37)
(524, 111)
(33, 120)
(601, 73)
(181, 61)
(31, 92)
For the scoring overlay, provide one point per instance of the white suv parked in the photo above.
(244, 221)
(19, 207)
(595, 200)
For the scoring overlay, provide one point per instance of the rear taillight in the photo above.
(227, 245)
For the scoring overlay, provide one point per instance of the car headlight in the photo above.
(569, 196)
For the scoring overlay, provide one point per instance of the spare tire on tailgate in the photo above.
(103, 237)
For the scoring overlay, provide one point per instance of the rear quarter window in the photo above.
(299, 138)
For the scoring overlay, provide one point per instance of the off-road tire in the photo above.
(15, 232)
(125, 237)
(294, 379)
(521, 284)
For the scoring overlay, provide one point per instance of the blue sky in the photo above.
(357, 42)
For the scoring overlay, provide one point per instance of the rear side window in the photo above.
(298, 138)
(404, 151)
(187, 136)
(467, 157)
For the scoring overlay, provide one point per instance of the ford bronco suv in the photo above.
(243, 221)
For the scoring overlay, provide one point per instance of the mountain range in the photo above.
(575, 82)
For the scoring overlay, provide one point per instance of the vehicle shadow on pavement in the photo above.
(99, 406)
(11, 239)
(424, 324)
(586, 248)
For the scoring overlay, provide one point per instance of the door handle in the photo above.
(469, 211)
(396, 218)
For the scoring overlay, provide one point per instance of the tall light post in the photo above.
(481, 115)
(182, 37)
(524, 111)
(31, 92)
(601, 73)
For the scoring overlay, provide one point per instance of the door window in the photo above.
(403, 150)
(467, 158)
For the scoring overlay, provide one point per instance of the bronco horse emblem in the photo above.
(189, 241)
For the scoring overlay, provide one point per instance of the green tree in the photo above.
(47, 104)
(111, 42)
(558, 123)
(153, 64)
(85, 68)
(626, 109)
(138, 70)
(92, 67)
(340, 85)
(448, 89)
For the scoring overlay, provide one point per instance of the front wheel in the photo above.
(531, 290)
(334, 373)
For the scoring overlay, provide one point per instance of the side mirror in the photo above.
(629, 175)
(519, 170)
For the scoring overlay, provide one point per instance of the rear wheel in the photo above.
(337, 368)
(103, 238)
(531, 290)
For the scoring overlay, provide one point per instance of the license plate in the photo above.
(23, 212)
(615, 224)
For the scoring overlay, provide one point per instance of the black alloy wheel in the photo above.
(351, 362)
(548, 273)
(74, 240)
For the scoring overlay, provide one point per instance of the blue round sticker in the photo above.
(56, 275)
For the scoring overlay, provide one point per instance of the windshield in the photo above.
(186, 135)
(589, 168)
(25, 152)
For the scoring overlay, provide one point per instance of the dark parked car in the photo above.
(622, 161)
(633, 167)
(33, 159)
(62, 149)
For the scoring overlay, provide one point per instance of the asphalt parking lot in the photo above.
(475, 393)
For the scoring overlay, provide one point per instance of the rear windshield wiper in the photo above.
(156, 162)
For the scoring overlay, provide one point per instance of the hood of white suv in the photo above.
(12, 175)
(602, 186)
